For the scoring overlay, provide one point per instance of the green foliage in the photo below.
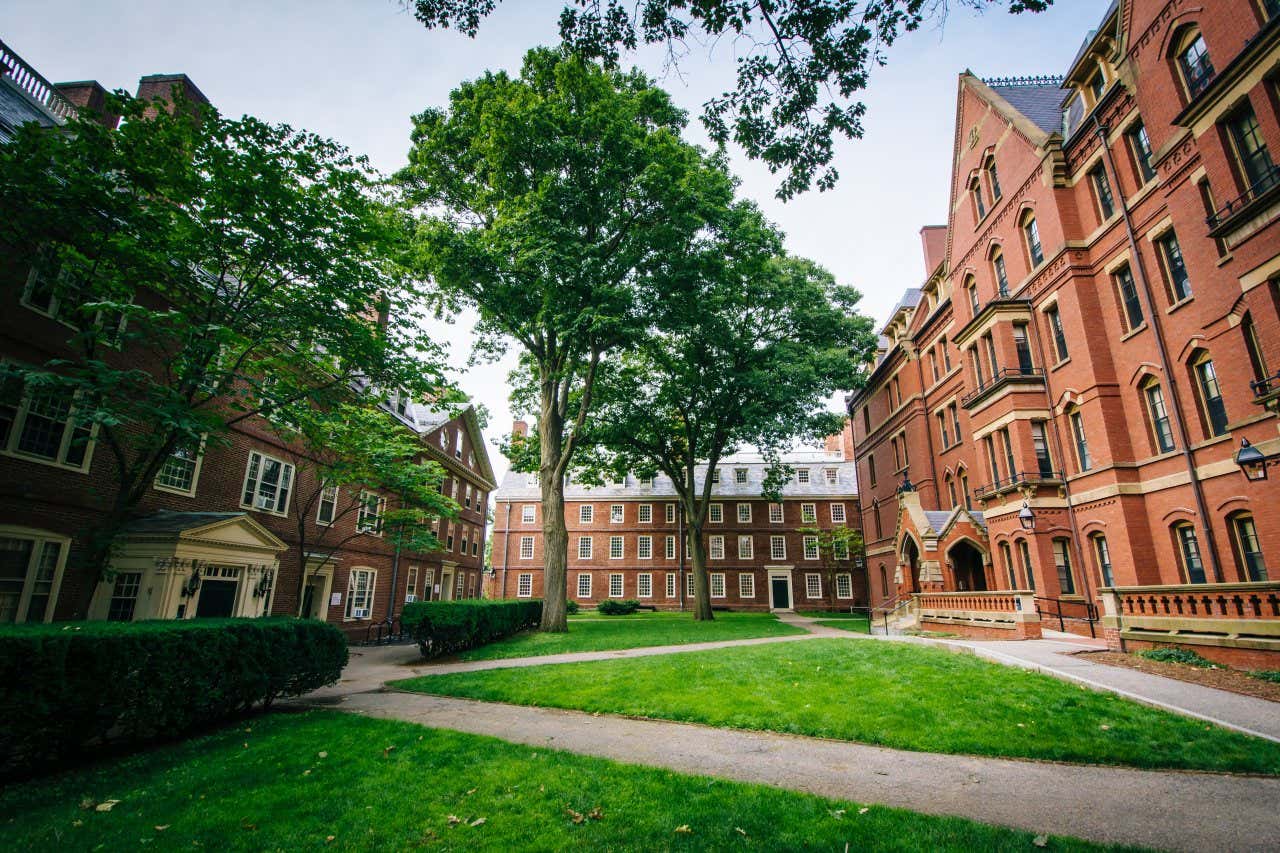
(447, 627)
(801, 67)
(67, 689)
(572, 607)
(613, 607)
(1272, 675)
(1175, 654)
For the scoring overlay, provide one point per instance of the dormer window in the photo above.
(1097, 85)
(1194, 63)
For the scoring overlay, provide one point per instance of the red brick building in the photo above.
(1097, 335)
(627, 540)
(217, 534)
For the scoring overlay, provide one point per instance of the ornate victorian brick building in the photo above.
(1057, 409)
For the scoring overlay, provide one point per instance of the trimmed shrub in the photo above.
(70, 689)
(572, 608)
(1272, 675)
(447, 627)
(610, 607)
(1175, 654)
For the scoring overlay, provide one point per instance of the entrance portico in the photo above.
(781, 595)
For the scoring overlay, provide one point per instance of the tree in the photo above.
(748, 345)
(196, 258)
(839, 548)
(805, 61)
(545, 202)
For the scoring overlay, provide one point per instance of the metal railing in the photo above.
(30, 81)
(385, 632)
(1269, 180)
(889, 610)
(1266, 386)
(1000, 377)
(1004, 484)
(1084, 611)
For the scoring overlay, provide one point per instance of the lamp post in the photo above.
(1026, 517)
(1252, 461)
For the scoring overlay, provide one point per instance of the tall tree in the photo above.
(193, 255)
(801, 63)
(544, 203)
(747, 348)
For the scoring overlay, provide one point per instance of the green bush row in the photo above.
(611, 607)
(1175, 654)
(69, 689)
(446, 627)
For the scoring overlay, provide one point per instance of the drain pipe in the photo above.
(506, 550)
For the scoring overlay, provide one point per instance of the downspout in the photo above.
(506, 549)
(1145, 290)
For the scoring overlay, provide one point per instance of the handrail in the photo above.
(1090, 612)
(1266, 385)
(898, 602)
(998, 378)
(1030, 478)
(1267, 181)
(30, 81)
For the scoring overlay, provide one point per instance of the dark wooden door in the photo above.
(217, 598)
(781, 600)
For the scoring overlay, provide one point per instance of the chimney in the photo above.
(89, 96)
(520, 428)
(841, 442)
(160, 87)
(934, 240)
(833, 444)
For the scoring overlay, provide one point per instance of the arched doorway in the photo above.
(911, 563)
(967, 566)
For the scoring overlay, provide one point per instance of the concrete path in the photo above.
(1167, 810)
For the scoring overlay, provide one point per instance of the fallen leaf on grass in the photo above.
(77, 823)
(596, 814)
(740, 831)
(87, 803)
(1105, 727)
(388, 751)
(684, 829)
(454, 820)
(323, 754)
(328, 839)
(478, 822)
(838, 814)
(162, 827)
(1041, 841)
(576, 817)
(106, 805)
(306, 772)
(863, 810)
(249, 826)
(472, 791)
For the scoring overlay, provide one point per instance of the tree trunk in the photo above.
(701, 583)
(555, 536)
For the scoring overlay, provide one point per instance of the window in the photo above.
(644, 585)
(1248, 550)
(933, 366)
(1140, 147)
(715, 548)
(1102, 192)
(54, 290)
(1102, 551)
(1082, 442)
(715, 513)
(844, 586)
(1025, 553)
(775, 513)
(951, 491)
(971, 287)
(1040, 442)
(475, 546)
(360, 593)
(837, 514)
(369, 514)
(180, 471)
(526, 547)
(840, 549)
(979, 203)
(124, 596)
(1189, 547)
(467, 495)
(524, 586)
(1129, 302)
(1211, 213)
(586, 514)
(1002, 275)
(615, 514)
(946, 353)
(644, 548)
(1253, 345)
(671, 514)
(813, 586)
(1059, 336)
(740, 476)
(449, 543)
(1212, 407)
(671, 548)
(990, 445)
(267, 483)
(1252, 158)
(615, 585)
(832, 476)
(689, 590)
(715, 475)
(327, 505)
(955, 420)
(584, 547)
(411, 585)
(802, 475)
(746, 548)
(871, 469)
(1193, 61)
(777, 547)
(527, 514)
(646, 481)
(615, 547)
(1062, 562)
(942, 429)
(1031, 231)
(584, 585)
(1174, 268)
(744, 513)
(993, 180)
(428, 581)
(1159, 416)
(717, 585)
(671, 584)
(964, 488)
(875, 515)
(811, 547)
(1006, 557)
(645, 513)
(1007, 444)
(42, 425)
(808, 513)
(746, 585)
(1022, 347)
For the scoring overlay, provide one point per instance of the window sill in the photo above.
(276, 513)
(170, 490)
(1175, 306)
(1062, 363)
(1222, 261)
(1133, 332)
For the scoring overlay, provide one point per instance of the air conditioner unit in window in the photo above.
(410, 598)
(359, 613)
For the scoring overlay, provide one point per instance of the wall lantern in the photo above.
(906, 484)
(1026, 517)
(1252, 461)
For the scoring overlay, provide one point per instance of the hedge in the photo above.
(446, 627)
(70, 689)
(612, 607)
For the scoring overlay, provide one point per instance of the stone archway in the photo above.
(910, 561)
(967, 566)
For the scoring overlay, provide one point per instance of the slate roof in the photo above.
(167, 521)
(937, 518)
(1042, 103)
(17, 109)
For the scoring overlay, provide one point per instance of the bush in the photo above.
(69, 689)
(446, 627)
(1272, 675)
(1174, 654)
(572, 608)
(609, 607)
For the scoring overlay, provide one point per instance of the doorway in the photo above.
(911, 562)
(217, 598)
(967, 565)
(446, 585)
(780, 597)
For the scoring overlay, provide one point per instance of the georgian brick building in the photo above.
(1057, 409)
(627, 540)
(217, 534)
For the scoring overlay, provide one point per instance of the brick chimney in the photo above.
(520, 428)
(159, 87)
(841, 442)
(89, 96)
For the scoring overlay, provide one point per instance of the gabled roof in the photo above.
(1037, 98)
(234, 529)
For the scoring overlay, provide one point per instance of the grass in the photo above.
(927, 700)
(263, 785)
(856, 626)
(595, 633)
(1271, 675)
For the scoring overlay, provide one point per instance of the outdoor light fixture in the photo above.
(1026, 517)
(193, 583)
(1252, 461)
(906, 484)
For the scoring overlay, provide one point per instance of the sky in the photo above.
(357, 71)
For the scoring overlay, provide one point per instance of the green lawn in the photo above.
(857, 626)
(594, 633)
(921, 699)
(264, 785)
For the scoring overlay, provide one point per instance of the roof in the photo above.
(937, 518)
(166, 521)
(1037, 98)
(18, 108)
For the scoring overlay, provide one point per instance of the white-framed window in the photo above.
(615, 585)
(644, 548)
(453, 490)
(715, 475)
(840, 549)
(267, 482)
(615, 547)
(844, 586)
(428, 584)
(802, 475)
(369, 514)
(411, 585)
(124, 596)
(744, 513)
(671, 513)
(746, 585)
(464, 542)
(586, 514)
(645, 481)
(42, 425)
(524, 585)
(775, 513)
(837, 514)
(715, 548)
(584, 547)
(181, 471)
(715, 513)
(644, 585)
(832, 475)
(808, 513)
(740, 476)
(475, 546)
(644, 513)
(615, 513)
(31, 566)
(670, 551)
(717, 584)
(689, 590)
(458, 582)
(746, 548)
(448, 542)
(327, 505)
(777, 547)
(813, 586)
(584, 585)
(811, 547)
(528, 513)
(671, 584)
(526, 548)
(466, 495)
(360, 585)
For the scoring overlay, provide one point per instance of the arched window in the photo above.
(1192, 56)
(951, 491)
(1248, 550)
(1253, 346)
(964, 489)
(875, 514)
(979, 203)
(1188, 547)
(884, 581)
(1102, 552)
(1031, 233)
(1001, 274)
(1028, 572)
(971, 288)
(993, 180)
(1213, 410)
(1079, 438)
(1062, 562)
(1157, 415)
(1006, 556)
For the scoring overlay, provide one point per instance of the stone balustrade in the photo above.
(997, 614)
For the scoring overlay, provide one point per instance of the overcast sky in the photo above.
(356, 71)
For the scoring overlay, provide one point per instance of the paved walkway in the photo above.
(1168, 810)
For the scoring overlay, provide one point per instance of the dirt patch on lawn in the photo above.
(1223, 678)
